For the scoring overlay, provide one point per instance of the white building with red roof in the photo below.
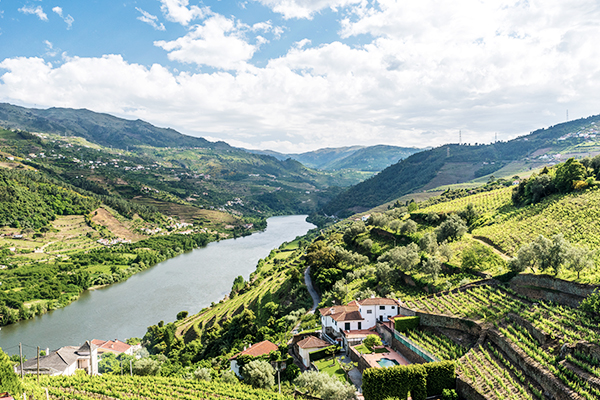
(113, 346)
(256, 350)
(307, 346)
(358, 315)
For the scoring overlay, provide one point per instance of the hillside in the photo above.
(453, 163)
(358, 158)
(103, 129)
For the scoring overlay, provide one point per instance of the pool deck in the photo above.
(372, 358)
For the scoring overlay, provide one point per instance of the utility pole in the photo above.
(278, 376)
(38, 365)
(567, 115)
(91, 359)
(130, 368)
(21, 359)
(459, 137)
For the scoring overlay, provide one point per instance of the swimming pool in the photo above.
(386, 362)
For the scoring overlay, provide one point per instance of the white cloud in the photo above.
(218, 43)
(50, 51)
(431, 69)
(39, 11)
(68, 19)
(150, 19)
(304, 8)
(178, 11)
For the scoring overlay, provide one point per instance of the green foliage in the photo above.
(449, 394)
(420, 380)
(259, 373)
(479, 257)
(182, 315)
(451, 229)
(403, 324)
(382, 383)
(146, 366)
(203, 374)
(568, 173)
(371, 341)
(324, 353)
(324, 386)
(591, 303)
(9, 381)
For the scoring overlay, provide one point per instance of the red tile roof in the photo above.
(258, 349)
(342, 313)
(312, 342)
(378, 301)
(115, 346)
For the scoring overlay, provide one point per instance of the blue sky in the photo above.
(296, 75)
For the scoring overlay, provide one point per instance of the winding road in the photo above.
(313, 293)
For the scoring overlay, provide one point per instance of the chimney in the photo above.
(47, 351)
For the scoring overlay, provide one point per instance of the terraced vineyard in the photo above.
(476, 303)
(492, 375)
(485, 202)
(440, 346)
(83, 387)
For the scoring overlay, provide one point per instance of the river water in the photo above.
(189, 282)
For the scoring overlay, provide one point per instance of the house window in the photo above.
(347, 326)
(359, 325)
(369, 311)
(393, 307)
(382, 307)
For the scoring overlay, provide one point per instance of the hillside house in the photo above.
(358, 315)
(307, 346)
(64, 361)
(256, 350)
(113, 346)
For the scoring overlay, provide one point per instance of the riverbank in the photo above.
(189, 281)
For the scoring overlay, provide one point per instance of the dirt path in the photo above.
(495, 250)
(313, 293)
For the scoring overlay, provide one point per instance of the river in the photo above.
(189, 282)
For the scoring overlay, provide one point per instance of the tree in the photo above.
(259, 374)
(353, 231)
(326, 387)
(428, 243)
(146, 366)
(109, 364)
(182, 315)
(9, 381)
(372, 340)
(340, 291)
(405, 257)
(408, 227)
(578, 259)
(567, 174)
(432, 266)
(203, 374)
(445, 251)
(591, 303)
(479, 257)
(451, 229)
(469, 214)
(228, 376)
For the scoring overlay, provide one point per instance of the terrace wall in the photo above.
(445, 321)
(532, 369)
(546, 287)
(533, 331)
(466, 391)
(388, 335)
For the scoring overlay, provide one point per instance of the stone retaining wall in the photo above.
(546, 287)
(466, 391)
(533, 331)
(445, 321)
(532, 369)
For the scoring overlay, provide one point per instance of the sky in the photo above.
(298, 75)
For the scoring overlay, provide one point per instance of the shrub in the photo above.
(371, 341)
(9, 381)
(323, 353)
(406, 323)
(259, 374)
(203, 374)
(449, 394)
(323, 385)
(380, 384)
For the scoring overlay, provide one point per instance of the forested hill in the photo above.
(453, 163)
(103, 129)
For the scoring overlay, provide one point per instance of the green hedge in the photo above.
(406, 323)
(420, 380)
(323, 353)
(383, 383)
(440, 375)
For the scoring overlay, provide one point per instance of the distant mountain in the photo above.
(359, 158)
(103, 129)
(450, 164)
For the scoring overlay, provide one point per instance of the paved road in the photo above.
(313, 293)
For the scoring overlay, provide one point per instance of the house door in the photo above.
(359, 326)
(347, 326)
(381, 318)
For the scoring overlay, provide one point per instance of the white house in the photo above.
(307, 346)
(64, 361)
(357, 315)
(256, 350)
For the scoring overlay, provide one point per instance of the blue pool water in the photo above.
(386, 362)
